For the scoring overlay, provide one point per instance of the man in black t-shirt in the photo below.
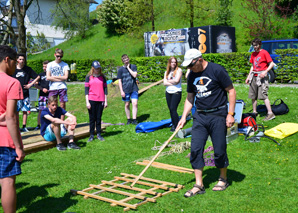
(209, 83)
(43, 86)
(127, 75)
(24, 73)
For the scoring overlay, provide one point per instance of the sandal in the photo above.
(222, 187)
(200, 191)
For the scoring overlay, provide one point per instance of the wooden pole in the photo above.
(154, 158)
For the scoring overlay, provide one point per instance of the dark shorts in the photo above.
(62, 94)
(205, 124)
(42, 102)
(133, 95)
(9, 166)
(23, 105)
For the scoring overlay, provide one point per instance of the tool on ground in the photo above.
(154, 158)
(257, 130)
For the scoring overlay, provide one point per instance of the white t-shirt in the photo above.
(57, 70)
(174, 88)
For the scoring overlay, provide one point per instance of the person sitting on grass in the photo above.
(54, 128)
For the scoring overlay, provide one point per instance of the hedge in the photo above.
(151, 69)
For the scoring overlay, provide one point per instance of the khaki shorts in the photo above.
(258, 92)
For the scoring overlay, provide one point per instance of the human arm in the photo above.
(173, 81)
(88, 105)
(45, 90)
(2, 119)
(251, 70)
(106, 101)
(12, 122)
(120, 88)
(187, 108)
(132, 72)
(230, 120)
(87, 86)
(27, 86)
(187, 73)
(264, 73)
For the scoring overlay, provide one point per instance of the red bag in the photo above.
(248, 121)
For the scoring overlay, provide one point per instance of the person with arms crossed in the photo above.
(54, 128)
(209, 83)
(172, 79)
(127, 75)
(258, 79)
(11, 146)
(96, 92)
(57, 74)
(24, 73)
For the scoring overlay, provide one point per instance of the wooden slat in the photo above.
(169, 165)
(164, 167)
(148, 87)
(123, 193)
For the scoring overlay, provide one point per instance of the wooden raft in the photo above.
(146, 193)
(167, 167)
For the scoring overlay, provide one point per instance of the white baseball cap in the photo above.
(190, 55)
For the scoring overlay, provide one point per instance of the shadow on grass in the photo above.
(111, 133)
(143, 118)
(26, 198)
(210, 177)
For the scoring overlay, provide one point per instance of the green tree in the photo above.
(72, 16)
(114, 15)
(37, 44)
(224, 13)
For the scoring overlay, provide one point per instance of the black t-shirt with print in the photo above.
(24, 75)
(209, 86)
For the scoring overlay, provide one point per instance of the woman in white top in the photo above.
(172, 79)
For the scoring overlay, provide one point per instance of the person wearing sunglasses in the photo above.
(212, 87)
(57, 74)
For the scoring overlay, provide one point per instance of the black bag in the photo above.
(277, 109)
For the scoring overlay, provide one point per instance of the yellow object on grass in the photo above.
(282, 130)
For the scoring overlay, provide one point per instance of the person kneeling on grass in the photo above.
(53, 127)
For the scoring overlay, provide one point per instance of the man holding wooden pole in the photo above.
(210, 84)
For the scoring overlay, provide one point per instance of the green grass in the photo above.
(100, 45)
(263, 176)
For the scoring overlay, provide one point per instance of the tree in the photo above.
(224, 14)
(264, 23)
(72, 16)
(37, 44)
(18, 9)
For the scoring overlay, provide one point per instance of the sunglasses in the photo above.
(193, 63)
(59, 56)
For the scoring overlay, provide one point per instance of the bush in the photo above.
(288, 65)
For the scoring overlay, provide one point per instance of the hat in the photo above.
(96, 64)
(190, 55)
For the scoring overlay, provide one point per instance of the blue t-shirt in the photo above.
(45, 122)
(209, 86)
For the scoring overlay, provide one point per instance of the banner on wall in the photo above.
(207, 39)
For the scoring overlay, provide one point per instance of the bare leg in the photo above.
(63, 106)
(127, 109)
(25, 116)
(70, 129)
(8, 194)
(267, 103)
(199, 180)
(223, 174)
(134, 103)
(56, 130)
(254, 105)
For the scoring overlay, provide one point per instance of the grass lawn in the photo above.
(263, 176)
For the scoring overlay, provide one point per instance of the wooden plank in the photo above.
(131, 188)
(164, 167)
(169, 165)
(107, 200)
(123, 193)
(148, 184)
(148, 87)
(154, 180)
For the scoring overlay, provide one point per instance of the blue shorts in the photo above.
(9, 166)
(133, 95)
(23, 105)
(50, 135)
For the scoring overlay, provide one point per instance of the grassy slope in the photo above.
(99, 45)
(263, 176)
